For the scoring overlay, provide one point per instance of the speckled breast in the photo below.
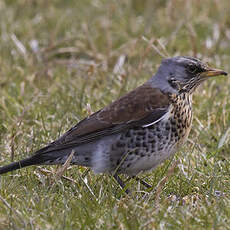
(181, 116)
(143, 148)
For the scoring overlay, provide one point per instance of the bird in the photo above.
(138, 131)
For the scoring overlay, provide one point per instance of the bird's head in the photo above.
(183, 74)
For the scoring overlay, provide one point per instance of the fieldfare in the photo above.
(136, 132)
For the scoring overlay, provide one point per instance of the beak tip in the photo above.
(215, 72)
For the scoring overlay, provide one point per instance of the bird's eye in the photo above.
(173, 83)
(192, 68)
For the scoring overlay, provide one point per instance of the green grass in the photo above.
(57, 62)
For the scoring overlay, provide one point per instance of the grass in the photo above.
(57, 64)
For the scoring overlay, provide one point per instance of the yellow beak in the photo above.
(213, 72)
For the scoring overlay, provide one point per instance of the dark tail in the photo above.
(48, 156)
(15, 165)
(42, 156)
(33, 160)
(39, 157)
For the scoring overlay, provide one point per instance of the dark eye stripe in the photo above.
(192, 68)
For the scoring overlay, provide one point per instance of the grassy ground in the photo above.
(59, 62)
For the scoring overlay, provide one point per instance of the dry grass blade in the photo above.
(154, 47)
(163, 48)
(118, 68)
(47, 172)
(164, 180)
(61, 170)
(224, 138)
(89, 109)
(21, 48)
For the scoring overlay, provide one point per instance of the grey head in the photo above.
(182, 74)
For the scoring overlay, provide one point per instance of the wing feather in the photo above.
(141, 107)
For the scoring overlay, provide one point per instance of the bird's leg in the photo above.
(121, 183)
(142, 182)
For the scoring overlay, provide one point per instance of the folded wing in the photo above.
(142, 106)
